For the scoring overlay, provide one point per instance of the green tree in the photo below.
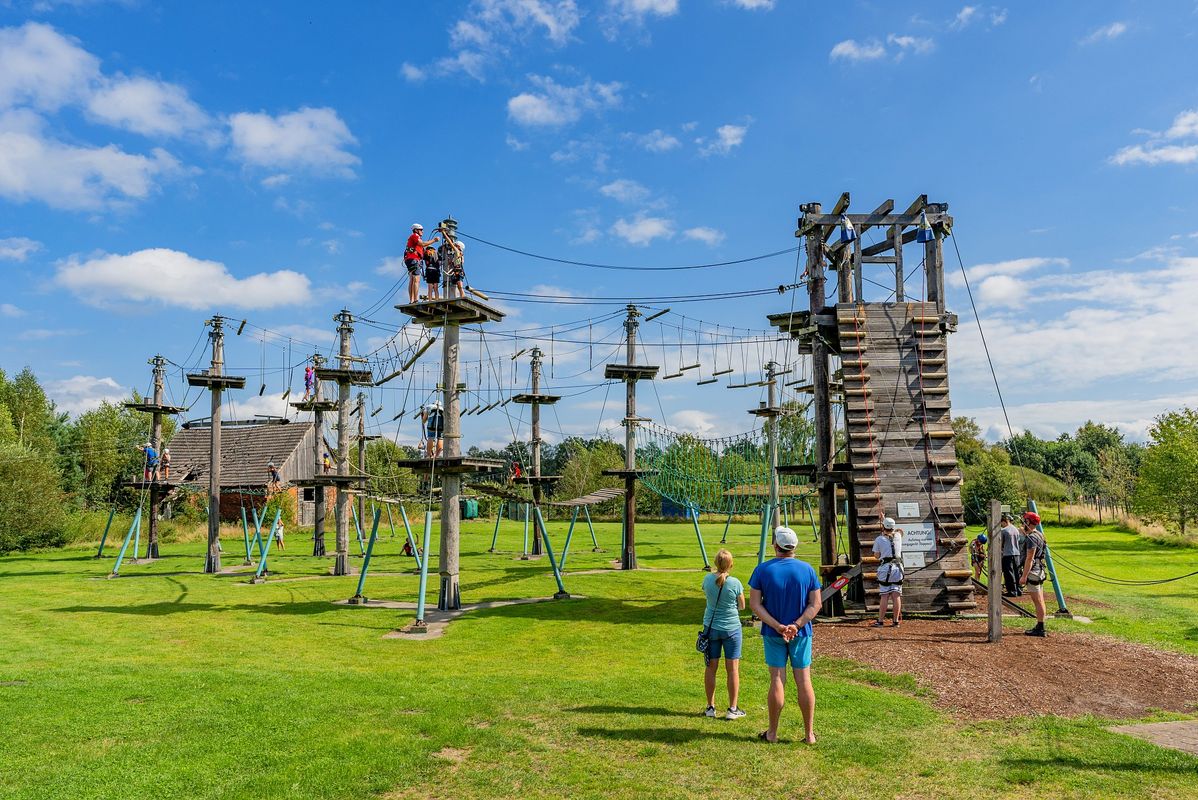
(388, 479)
(1167, 489)
(583, 472)
(991, 481)
(33, 415)
(31, 502)
(967, 437)
(1117, 480)
(1094, 438)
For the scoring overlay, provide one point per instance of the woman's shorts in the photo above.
(413, 265)
(432, 276)
(727, 642)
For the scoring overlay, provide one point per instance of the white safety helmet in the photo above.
(416, 226)
(461, 245)
(888, 524)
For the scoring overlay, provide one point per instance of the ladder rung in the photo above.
(924, 318)
(946, 478)
(940, 434)
(856, 376)
(943, 462)
(934, 390)
(933, 362)
(861, 391)
(934, 375)
(956, 526)
(957, 573)
(856, 362)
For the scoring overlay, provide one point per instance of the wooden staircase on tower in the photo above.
(901, 449)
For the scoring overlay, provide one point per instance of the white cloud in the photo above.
(35, 167)
(18, 248)
(412, 73)
(312, 139)
(586, 229)
(708, 236)
(554, 105)
(42, 68)
(393, 266)
(275, 181)
(1185, 125)
(625, 191)
(331, 246)
(82, 393)
(515, 144)
(172, 278)
(965, 17)
(915, 44)
(1014, 266)
(1132, 416)
(9, 310)
(41, 334)
(727, 138)
(754, 5)
(148, 107)
(1153, 155)
(1105, 33)
(643, 229)
(852, 50)
(655, 141)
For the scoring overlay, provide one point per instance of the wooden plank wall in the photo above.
(895, 367)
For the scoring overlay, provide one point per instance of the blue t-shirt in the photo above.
(784, 584)
(725, 617)
(151, 455)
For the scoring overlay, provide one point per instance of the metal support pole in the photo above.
(724, 538)
(261, 571)
(524, 552)
(765, 529)
(137, 540)
(569, 536)
(1062, 609)
(159, 364)
(586, 510)
(358, 530)
(422, 591)
(361, 457)
(495, 535)
(104, 538)
(358, 599)
(628, 552)
(245, 535)
(345, 332)
(994, 581)
(403, 513)
(771, 371)
(561, 593)
(693, 513)
(116, 568)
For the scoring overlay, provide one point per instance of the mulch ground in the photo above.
(1067, 674)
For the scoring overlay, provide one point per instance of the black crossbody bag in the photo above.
(705, 633)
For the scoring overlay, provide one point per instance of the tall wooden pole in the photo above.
(628, 555)
(772, 439)
(156, 440)
(536, 439)
(823, 405)
(319, 510)
(345, 331)
(362, 456)
(994, 581)
(449, 597)
(217, 335)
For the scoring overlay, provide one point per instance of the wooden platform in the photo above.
(215, 381)
(540, 399)
(356, 377)
(451, 465)
(458, 311)
(625, 473)
(630, 372)
(901, 446)
(314, 405)
(152, 408)
(329, 479)
(168, 485)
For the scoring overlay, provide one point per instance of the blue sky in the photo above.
(159, 165)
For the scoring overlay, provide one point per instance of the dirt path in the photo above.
(1073, 673)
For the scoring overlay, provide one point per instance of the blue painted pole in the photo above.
(765, 525)
(358, 599)
(1062, 609)
(390, 519)
(428, 532)
(358, 528)
(116, 568)
(724, 538)
(403, 513)
(266, 550)
(104, 538)
(693, 513)
(524, 554)
(561, 594)
(569, 536)
(495, 535)
(245, 535)
(137, 539)
(257, 540)
(586, 510)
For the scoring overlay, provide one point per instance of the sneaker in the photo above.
(877, 624)
(895, 624)
(710, 712)
(1036, 631)
(734, 713)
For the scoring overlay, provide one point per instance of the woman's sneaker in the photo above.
(734, 713)
(710, 712)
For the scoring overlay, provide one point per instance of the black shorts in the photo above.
(432, 276)
(413, 265)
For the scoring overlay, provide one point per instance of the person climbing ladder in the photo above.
(309, 381)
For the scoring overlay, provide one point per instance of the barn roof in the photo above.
(246, 449)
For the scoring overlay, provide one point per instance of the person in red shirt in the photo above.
(413, 259)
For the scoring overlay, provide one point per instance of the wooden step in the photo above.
(967, 588)
(851, 334)
(940, 434)
(934, 390)
(945, 478)
(952, 542)
(855, 363)
(934, 376)
(938, 361)
(958, 573)
(851, 375)
(925, 319)
(869, 526)
(867, 497)
(863, 391)
(868, 451)
(951, 526)
(864, 479)
(942, 462)
(962, 605)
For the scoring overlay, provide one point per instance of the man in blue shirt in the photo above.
(150, 469)
(785, 596)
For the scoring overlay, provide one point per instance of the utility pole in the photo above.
(823, 404)
(319, 509)
(771, 371)
(345, 331)
(216, 381)
(156, 408)
(535, 415)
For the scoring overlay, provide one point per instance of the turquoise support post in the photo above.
(137, 540)
(524, 554)
(104, 538)
(358, 528)
(724, 538)
(358, 599)
(765, 526)
(245, 535)
(428, 532)
(266, 550)
(390, 519)
(693, 513)
(811, 517)
(785, 517)
(495, 535)
(403, 513)
(586, 510)
(257, 540)
(561, 593)
(569, 536)
(116, 568)
(1062, 609)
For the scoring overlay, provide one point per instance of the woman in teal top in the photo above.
(725, 599)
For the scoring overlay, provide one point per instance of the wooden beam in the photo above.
(841, 206)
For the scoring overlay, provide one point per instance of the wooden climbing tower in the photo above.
(887, 352)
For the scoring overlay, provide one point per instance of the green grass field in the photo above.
(166, 683)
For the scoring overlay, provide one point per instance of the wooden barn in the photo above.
(247, 448)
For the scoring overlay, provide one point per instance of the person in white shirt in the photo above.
(888, 549)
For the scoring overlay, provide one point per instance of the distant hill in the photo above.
(1043, 488)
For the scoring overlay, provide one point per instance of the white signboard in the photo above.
(919, 537)
(914, 559)
(909, 511)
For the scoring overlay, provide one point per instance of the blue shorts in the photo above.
(798, 650)
(727, 641)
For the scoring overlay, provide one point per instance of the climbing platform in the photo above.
(901, 452)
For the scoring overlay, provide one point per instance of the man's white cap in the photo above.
(785, 538)
(888, 524)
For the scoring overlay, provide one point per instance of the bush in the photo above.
(280, 501)
(31, 502)
(989, 481)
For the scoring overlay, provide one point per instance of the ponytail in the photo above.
(723, 566)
